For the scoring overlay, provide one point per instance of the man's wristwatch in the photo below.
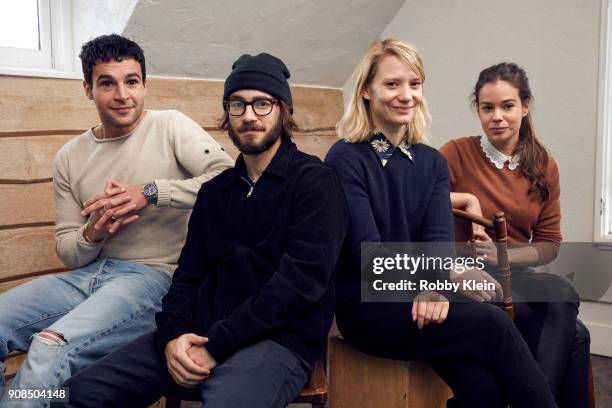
(150, 192)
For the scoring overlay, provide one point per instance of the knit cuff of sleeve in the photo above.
(163, 193)
(82, 241)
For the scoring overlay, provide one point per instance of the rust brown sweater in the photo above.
(527, 216)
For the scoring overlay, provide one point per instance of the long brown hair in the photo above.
(287, 123)
(533, 155)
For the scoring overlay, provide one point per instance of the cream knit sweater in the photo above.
(167, 147)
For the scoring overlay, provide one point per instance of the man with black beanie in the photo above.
(250, 304)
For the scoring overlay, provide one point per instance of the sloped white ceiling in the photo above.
(320, 41)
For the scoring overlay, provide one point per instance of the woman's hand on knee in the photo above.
(429, 307)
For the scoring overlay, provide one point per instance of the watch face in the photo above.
(150, 189)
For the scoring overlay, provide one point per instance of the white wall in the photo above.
(91, 18)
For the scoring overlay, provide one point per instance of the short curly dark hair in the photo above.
(110, 47)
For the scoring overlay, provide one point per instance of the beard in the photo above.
(248, 146)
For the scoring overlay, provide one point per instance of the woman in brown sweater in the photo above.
(510, 170)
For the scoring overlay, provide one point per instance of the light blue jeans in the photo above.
(96, 308)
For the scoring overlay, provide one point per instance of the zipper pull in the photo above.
(251, 186)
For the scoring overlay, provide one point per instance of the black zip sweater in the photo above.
(258, 259)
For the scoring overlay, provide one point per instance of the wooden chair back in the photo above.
(498, 226)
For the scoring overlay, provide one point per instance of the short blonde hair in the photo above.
(356, 124)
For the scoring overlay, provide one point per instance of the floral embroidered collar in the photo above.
(496, 157)
(384, 148)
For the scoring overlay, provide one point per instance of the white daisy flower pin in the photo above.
(380, 145)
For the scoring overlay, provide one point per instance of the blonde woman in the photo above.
(398, 190)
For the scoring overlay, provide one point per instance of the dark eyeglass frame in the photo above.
(252, 103)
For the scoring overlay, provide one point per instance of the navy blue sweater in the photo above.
(406, 200)
(258, 260)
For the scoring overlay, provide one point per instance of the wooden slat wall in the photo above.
(39, 105)
(26, 252)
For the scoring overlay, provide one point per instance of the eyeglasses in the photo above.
(261, 107)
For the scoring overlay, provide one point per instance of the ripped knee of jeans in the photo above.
(51, 337)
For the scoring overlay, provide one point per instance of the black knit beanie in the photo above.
(263, 72)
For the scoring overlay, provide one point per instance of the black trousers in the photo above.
(559, 341)
(264, 374)
(478, 350)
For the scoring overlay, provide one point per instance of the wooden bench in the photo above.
(39, 115)
(357, 379)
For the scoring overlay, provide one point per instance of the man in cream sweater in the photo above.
(123, 194)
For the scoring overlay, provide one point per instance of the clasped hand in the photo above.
(116, 206)
(188, 361)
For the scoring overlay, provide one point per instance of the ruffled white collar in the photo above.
(496, 157)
